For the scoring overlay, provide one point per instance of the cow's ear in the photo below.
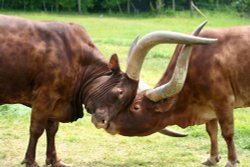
(114, 64)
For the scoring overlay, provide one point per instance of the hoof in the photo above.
(61, 164)
(27, 164)
(211, 161)
(232, 164)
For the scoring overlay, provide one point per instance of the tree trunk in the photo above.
(24, 5)
(79, 6)
(217, 3)
(128, 6)
(44, 6)
(159, 6)
(2, 4)
(151, 7)
(173, 5)
(191, 8)
(136, 11)
(57, 5)
(118, 4)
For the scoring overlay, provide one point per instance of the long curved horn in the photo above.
(176, 83)
(172, 133)
(139, 50)
(132, 46)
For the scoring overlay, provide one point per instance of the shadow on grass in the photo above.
(117, 164)
(2, 155)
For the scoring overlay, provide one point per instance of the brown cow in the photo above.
(54, 68)
(217, 81)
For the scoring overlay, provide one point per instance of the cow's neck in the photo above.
(186, 113)
(179, 112)
(91, 73)
(174, 113)
(91, 68)
(181, 118)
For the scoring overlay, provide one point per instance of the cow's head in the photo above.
(120, 92)
(110, 93)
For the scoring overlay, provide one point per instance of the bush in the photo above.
(242, 6)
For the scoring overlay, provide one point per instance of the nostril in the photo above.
(99, 120)
(104, 122)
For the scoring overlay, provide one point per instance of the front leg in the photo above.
(37, 126)
(212, 130)
(52, 158)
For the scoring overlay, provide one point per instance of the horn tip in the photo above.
(204, 22)
(199, 28)
(172, 133)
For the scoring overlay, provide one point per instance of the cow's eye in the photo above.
(136, 107)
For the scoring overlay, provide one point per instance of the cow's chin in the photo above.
(111, 129)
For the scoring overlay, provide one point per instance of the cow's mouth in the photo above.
(111, 128)
(99, 123)
(105, 124)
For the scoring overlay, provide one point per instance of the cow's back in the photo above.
(32, 54)
(220, 71)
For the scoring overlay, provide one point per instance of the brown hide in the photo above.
(39, 62)
(217, 82)
(54, 68)
(217, 74)
(47, 63)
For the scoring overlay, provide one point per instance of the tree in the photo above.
(173, 5)
(159, 5)
(128, 6)
(109, 4)
(217, 3)
(242, 6)
(79, 7)
(57, 5)
(2, 4)
(191, 8)
(44, 6)
(87, 4)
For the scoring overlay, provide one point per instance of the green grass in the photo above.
(83, 145)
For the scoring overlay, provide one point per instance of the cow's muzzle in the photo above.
(100, 119)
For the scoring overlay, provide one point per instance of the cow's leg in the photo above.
(226, 121)
(52, 158)
(212, 130)
(51, 155)
(37, 126)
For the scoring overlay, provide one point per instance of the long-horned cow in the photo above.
(216, 82)
(55, 68)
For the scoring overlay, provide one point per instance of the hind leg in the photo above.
(212, 130)
(226, 121)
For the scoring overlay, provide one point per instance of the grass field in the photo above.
(81, 144)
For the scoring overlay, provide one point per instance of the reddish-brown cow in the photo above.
(217, 81)
(54, 68)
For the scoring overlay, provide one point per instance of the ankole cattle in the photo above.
(55, 68)
(216, 82)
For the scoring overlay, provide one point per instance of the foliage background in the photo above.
(126, 6)
(81, 144)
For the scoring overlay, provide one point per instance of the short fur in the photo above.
(218, 81)
(54, 68)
